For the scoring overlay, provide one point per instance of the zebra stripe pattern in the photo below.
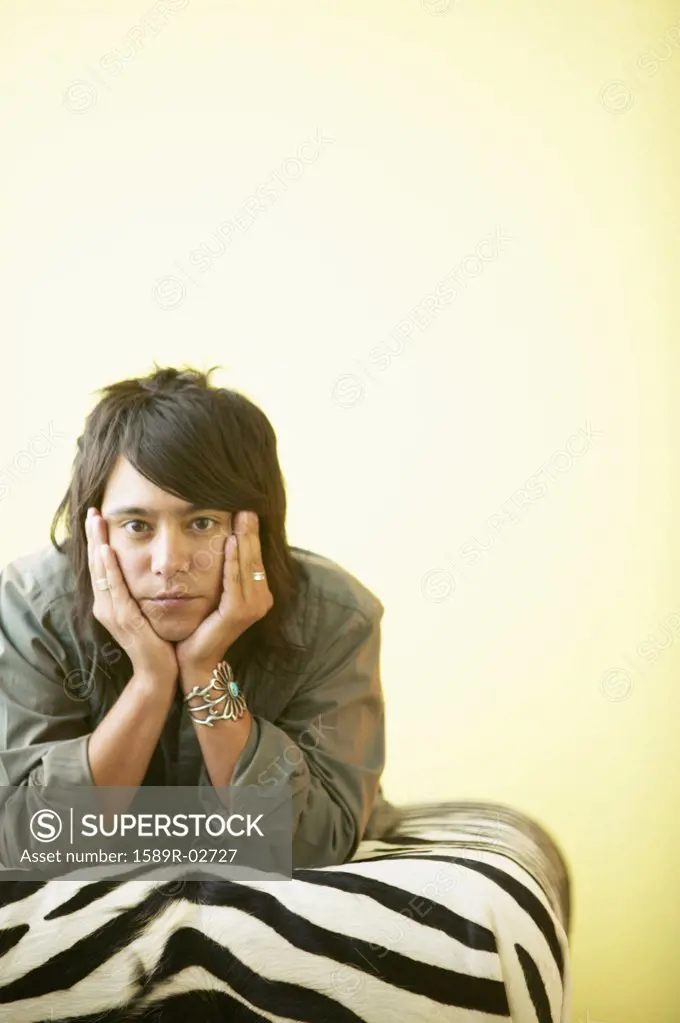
(461, 915)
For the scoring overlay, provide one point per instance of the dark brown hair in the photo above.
(206, 445)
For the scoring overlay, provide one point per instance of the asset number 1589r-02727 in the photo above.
(183, 856)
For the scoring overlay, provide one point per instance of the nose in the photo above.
(169, 554)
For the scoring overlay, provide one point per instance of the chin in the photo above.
(174, 633)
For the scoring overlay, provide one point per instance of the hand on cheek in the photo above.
(245, 599)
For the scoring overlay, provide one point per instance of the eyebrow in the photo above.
(148, 513)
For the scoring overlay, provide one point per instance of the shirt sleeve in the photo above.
(329, 745)
(44, 730)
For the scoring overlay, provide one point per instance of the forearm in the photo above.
(139, 712)
(221, 746)
(116, 754)
(330, 805)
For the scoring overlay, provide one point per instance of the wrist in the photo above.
(196, 673)
(153, 684)
(158, 670)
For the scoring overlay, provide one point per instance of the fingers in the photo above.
(232, 592)
(95, 530)
(112, 604)
(118, 590)
(256, 593)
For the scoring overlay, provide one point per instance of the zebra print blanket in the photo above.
(461, 915)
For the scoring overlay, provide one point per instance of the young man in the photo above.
(175, 638)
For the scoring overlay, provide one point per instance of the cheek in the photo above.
(214, 578)
(208, 563)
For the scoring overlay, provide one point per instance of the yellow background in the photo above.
(521, 674)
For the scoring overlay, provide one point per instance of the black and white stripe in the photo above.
(461, 916)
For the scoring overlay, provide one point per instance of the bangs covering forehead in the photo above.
(203, 455)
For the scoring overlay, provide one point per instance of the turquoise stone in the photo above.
(233, 689)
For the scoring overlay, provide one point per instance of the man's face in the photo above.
(165, 544)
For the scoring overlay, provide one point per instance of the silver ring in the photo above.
(259, 576)
(103, 584)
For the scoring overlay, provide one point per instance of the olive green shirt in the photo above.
(319, 728)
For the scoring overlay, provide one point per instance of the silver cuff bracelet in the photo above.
(221, 692)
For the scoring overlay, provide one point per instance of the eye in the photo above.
(134, 522)
(205, 518)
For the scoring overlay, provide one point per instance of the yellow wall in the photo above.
(520, 674)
